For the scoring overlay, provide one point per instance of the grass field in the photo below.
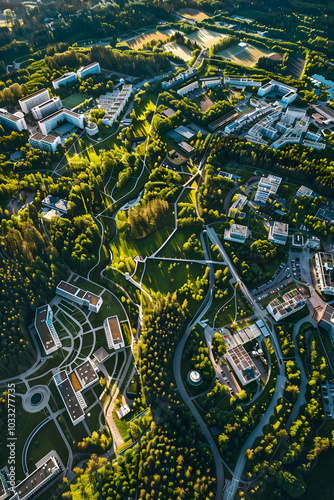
(178, 50)
(247, 56)
(205, 38)
(197, 15)
(74, 100)
(139, 41)
(48, 438)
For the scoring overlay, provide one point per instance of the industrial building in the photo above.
(64, 115)
(46, 108)
(33, 100)
(45, 329)
(65, 79)
(11, 121)
(79, 296)
(91, 69)
(44, 142)
(278, 233)
(113, 333)
(237, 233)
(291, 302)
(325, 272)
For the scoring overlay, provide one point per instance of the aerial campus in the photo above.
(167, 250)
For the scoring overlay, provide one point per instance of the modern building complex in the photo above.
(81, 297)
(114, 103)
(278, 233)
(325, 113)
(208, 83)
(46, 469)
(325, 272)
(267, 186)
(240, 82)
(46, 108)
(236, 233)
(242, 364)
(282, 307)
(188, 88)
(44, 142)
(64, 115)
(113, 333)
(181, 77)
(33, 100)
(11, 121)
(55, 203)
(304, 191)
(45, 329)
(65, 79)
(237, 205)
(248, 119)
(91, 69)
(289, 93)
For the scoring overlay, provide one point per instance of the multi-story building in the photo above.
(267, 186)
(278, 233)
(325, 112)
(64, 115)
(313, 242)
(304, 191)
(237, 233)
(208, 83)
(179, 79)
(45, 329)
(240, 82)
(237, 205)
(81, 297)
(291, 302)
(248, 119)
(91, 69)
(33, 100)
(46, 469)
(46, 108)
(44, 142)
(113, 333)
(12, 122)
(325, 272)
(242, 364)
(289, 93)
(65, 79)
(55, 203)
(188, 88)
(114, 103)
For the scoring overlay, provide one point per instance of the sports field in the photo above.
(74, 100)
(247, 55)
(139, 41)
(193, 14)
(205, 38)
(178, 50)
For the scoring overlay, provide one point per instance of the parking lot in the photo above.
(328, 397)
(280, 279)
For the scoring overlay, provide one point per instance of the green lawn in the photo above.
(74, 100)
(93, 419)
(175, 246)
(47, 439)
(87, 285)
(110, 307)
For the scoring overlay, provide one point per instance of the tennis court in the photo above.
(74, 100)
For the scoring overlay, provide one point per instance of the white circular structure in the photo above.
(92, 128)
(194, 377)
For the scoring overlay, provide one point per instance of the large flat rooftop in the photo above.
(43, 329)
(70, 399)
(115, 330)
(37, 478)
(86, 373)
(32, 95)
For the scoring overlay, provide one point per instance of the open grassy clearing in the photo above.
(178, 50)
(110, 307)
(139, 41)
(174, 248)
(205, 38)
(48, 438)
(247, 56)
(74, 100)
(197, 15)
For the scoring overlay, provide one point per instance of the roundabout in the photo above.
(36, 399)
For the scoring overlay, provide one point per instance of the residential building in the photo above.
(13, 122)
(65, 79)
(55, 203)
(64, 115)
(91, 69)
(79, 296)
(181, 77)
(325, 272)
(46, 108)
(188, 88)
(278, 233)
(236, 233)
(281, 307)
(73, 405)
(237, 205)
(242, 364)
(114, 103)
(304, 191)
(289, 93)
(33, 100)
(46, 469)
(46, 330)
(44, 142)
(327, 321)
(240, 82)
(208, 83)
(113, 333)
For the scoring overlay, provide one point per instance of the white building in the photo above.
(44, 142)
(242, 364)
(289, 93)
(248, 119)
(65, 79)
(291, 302)
(313, 242)
(188, 88)
(46, 469)
(81, 297)
(92, 129)
(237, 233)
(326, 112)
(113, 333)
(45, 329)
(114, 103)
(278, 233)
(124, 410)
(178, 79)
(237, 205)
(33, 100)
(325, 272)
(55, 203)
(46, 108)
(304, 191)
(267, 186)
(208, 83)
(12, 122)
(91, 69)
(51, 122)
(240, 82)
